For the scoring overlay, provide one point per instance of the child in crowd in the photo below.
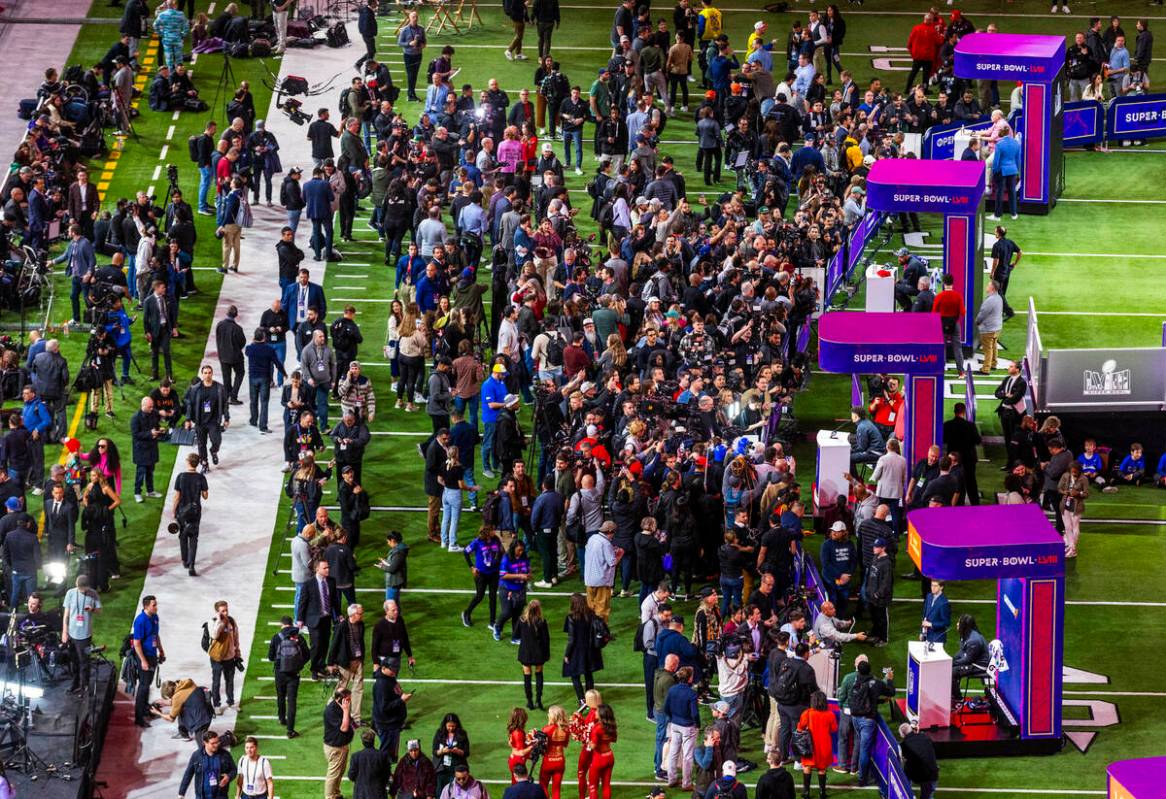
(1090, 460)
(1131, 470)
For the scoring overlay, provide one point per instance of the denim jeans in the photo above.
(22, 586)
(132, 274)
(731, 594)
(736, 703)
(260, 390)
(451, 513)
(75, 294)
(293, 220)
(577, 137)
(661, 737)
(321, 237)
(393, 593)
(322, 394)
(471, 405)
(205, 179)
(468, 477)
(280, 348)
(296, 601)
(489, 460)
(865, 728)
(143, 476)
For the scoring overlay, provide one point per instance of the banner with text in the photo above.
(1141, 116)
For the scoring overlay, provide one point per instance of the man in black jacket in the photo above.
(863, 703)
(145, 428)
(61, 511)
(230, 341)
(318, 608)
(796, 682)
(919, 762)
(160, 316)
(292, 200)
(350, 436)
(366, 24)
(435, 457)
(389, 706)
(545, 15)
(208, 759)
(206, 172)
(288, 254)
(877, 591)
(369, 769)
(509, 442)
(346, 654)
(962, 437)
(288, 653)
(50, 380)
(1012, 407)
(208, 412)
(21, 551)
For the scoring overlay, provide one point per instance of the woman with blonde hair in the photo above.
(534, 650)
(615, 356)
(414, 347)
(582, 721)
(554, 762)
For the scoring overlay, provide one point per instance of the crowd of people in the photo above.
(658, 363)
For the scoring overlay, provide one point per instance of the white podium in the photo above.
(880, 289)
(825, 670)
(962, 138)
(928, 685)
(833, 464)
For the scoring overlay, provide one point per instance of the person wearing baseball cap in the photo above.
(879, 587)
(415, 776)
(839, 559)
(599, 568)
(493, 399)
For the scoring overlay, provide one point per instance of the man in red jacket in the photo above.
(949, 304)
(923, 44)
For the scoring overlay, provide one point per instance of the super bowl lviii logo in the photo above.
(1108, 382)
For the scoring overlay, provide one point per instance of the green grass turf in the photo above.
(1114, 559)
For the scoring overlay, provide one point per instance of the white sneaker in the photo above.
(153, 495)
(1065, 10)
(138, 498)
(578, 171)
(1015, 216)
(542, 584)
(522, 57)
(691, 79)
(1053, 10)
(542, 131)
(993, 217)
(510, 55)
(454, 548)
(36, 492)
(684, 108)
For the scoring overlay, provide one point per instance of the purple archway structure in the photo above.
(1141, 778)
(951, 188)
(1037, 62)
(898, 343)
(1018, 547)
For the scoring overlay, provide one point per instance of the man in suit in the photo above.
(82, 263)
(39, 215)
(317, 610)
(318, 196)
(160, 317)
(369, 769)
(83, 203)
(60, 521)
(346, 656)
(1012, 407)
(230, 341)
(962, 437)
(145, 428)
(302, 295)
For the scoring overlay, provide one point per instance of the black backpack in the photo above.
(289, 655)
(787, 691)
(863, 700)
(193, 148)
(341, 338)
(343, 108)
(606, 217)
(638, 640)
(720, 791)
(429, 70)
(600, 632)
(555, 349)
(492, 509)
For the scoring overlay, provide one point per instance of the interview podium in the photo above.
(880, 288)
(928, 685)
(825, 665)
(833, 464)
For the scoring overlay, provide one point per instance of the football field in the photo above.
(1094, 268)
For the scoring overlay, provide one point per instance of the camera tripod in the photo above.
(222, 89)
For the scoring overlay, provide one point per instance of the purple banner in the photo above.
(863, 232)
(895, 185)
(1010, 56)
(1142, 778)
(866, 343)
(984, 542)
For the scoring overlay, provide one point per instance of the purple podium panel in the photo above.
(940, 187)
(1010, 56)
(868, 343)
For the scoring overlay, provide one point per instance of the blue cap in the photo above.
(467, 274)
(879, 542)
(13, 503)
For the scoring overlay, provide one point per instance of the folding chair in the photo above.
(465, 18)
(442, 17)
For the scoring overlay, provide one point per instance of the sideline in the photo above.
(232, 557)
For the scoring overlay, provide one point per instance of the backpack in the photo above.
(289, 656)
(341, 339)
(787, 691)
(429, 70)
(721, 791)
(192, 147)
(606, 216)
(600, 632)
(863, 700)
(555, 350)
(638, 641)
(337, 35)
(492, 509)
(344, 102)
(260, 48)
(596, 186)
(206, 637)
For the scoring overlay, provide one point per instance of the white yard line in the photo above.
(232, 556)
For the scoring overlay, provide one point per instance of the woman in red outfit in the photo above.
(820, 721)
(516, 733)
(603, 735)
(582, 721)
(554, 763)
